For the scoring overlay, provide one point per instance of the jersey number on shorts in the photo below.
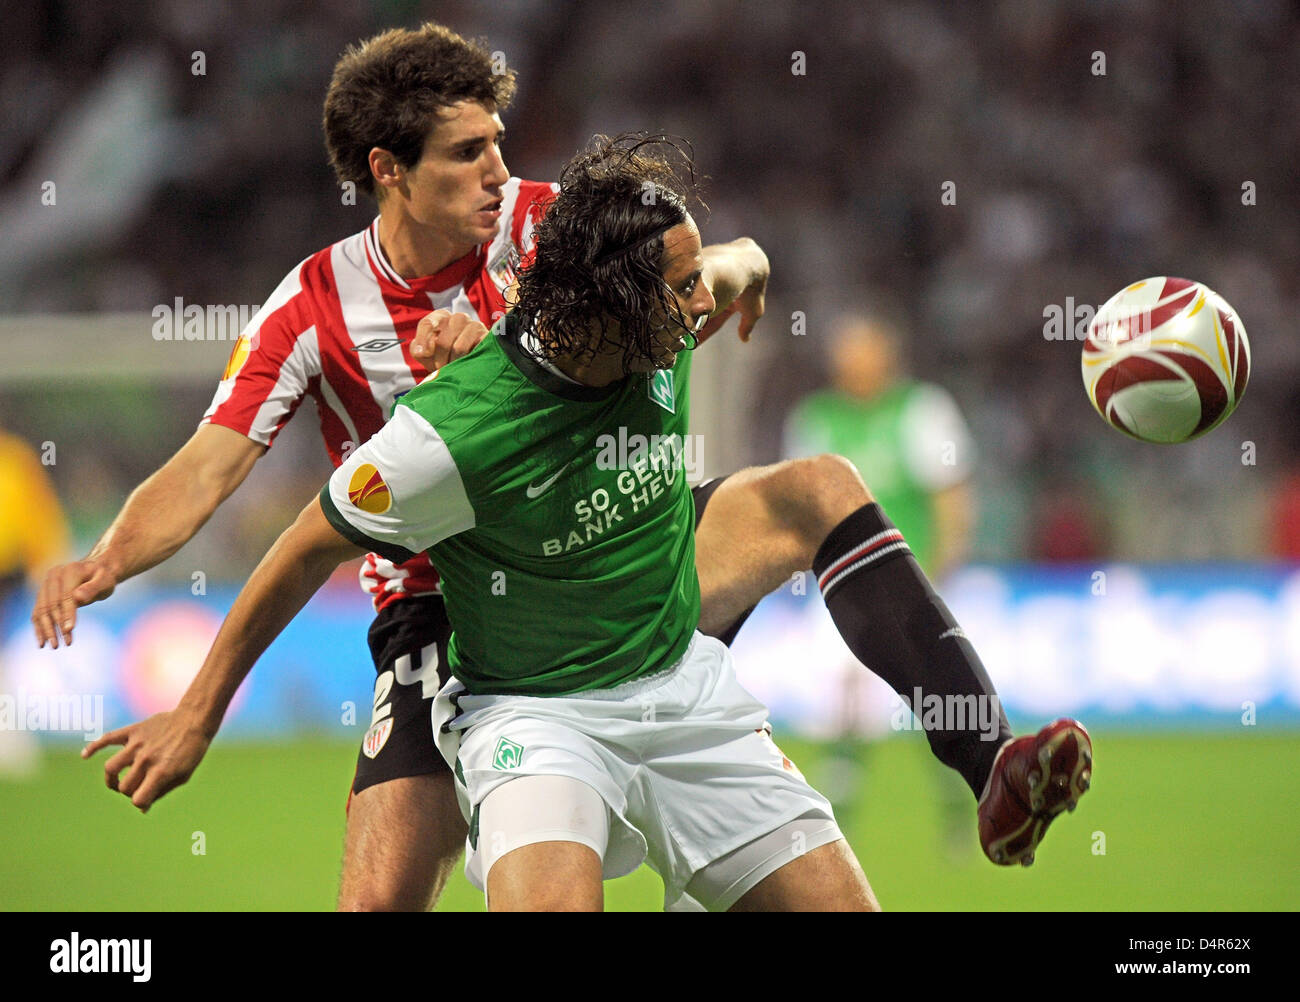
(426, 675)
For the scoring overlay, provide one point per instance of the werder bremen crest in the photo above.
(507, 755)
(660, 388)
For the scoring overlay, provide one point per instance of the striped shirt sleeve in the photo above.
(271, 365)
(400, 492)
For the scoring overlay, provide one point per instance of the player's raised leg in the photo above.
(404, 837)
(760, 526)
(764, 524)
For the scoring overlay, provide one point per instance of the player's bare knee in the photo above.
(811, 496)
(837, 482)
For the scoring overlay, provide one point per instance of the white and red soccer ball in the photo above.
(1166, 360)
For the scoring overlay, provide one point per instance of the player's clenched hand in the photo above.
(65, 589)
(443, 337)
(750, 301)
(161, 751)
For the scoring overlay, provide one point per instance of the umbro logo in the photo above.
(377, 344)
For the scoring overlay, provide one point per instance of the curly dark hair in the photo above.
(600, 246)
(387, 90)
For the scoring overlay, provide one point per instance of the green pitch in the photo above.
(1186, 823)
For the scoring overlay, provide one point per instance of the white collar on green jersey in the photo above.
(529, 343)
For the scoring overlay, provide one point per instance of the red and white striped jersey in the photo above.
(338, 329)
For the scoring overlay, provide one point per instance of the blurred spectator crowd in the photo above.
(1082, 145)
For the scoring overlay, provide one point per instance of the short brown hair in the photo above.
(386, 91)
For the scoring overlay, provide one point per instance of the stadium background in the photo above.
(208, 187)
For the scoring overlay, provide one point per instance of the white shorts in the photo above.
(683, 760)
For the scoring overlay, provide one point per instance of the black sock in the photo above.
(896, 625)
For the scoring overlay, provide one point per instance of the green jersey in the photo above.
(557, 514)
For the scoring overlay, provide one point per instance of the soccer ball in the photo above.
(1166, 360)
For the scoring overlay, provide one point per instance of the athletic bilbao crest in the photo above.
(377, 737)
(660, 388)
(368, 491)
(504, 268)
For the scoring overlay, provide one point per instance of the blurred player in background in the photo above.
(910, 442)
(33, 534)
(907, 436)
(413, 118)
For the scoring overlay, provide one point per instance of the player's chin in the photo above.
(664, 356)
(660, 360)
(479, 232)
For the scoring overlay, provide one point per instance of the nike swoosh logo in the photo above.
(537, 490)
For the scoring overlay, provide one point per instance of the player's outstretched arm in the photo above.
(736, 273)
(163, 751)
(159, 517)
